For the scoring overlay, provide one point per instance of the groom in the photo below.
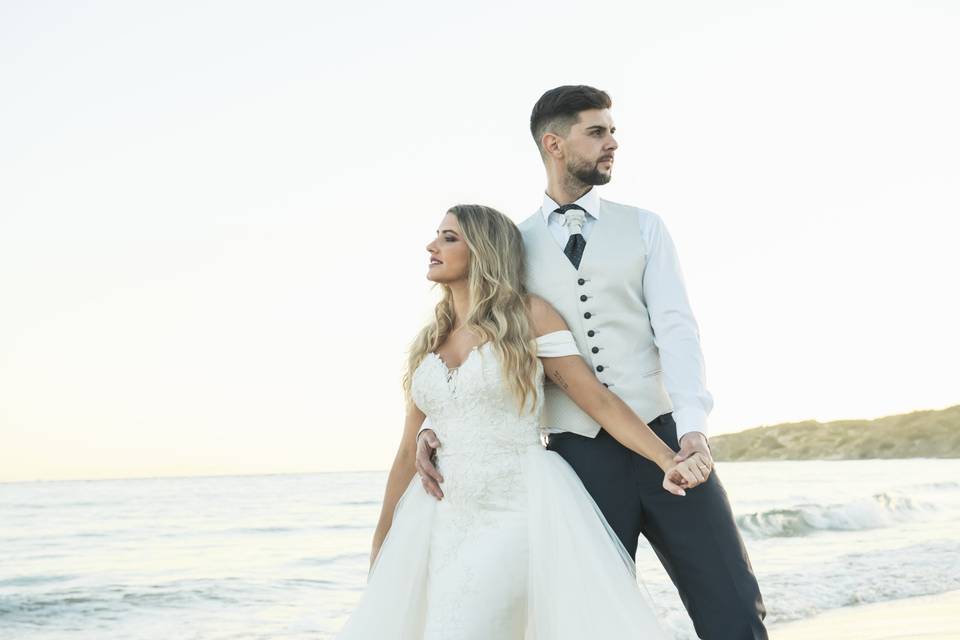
(612, 272)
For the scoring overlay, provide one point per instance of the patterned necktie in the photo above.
(573, 218)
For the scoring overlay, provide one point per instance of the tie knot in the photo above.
(573, 217)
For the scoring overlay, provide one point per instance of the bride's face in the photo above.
(449, 254)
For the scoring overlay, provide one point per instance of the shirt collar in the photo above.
(590, 201)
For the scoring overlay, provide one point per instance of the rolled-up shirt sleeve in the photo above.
(675, 330)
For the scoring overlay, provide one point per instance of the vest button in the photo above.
(599, 367)
(583, 298)
(595, 350)
(581, 281)
(587, 315)
(591, 333)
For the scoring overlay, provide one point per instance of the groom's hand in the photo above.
(427, 442)
(693, 443)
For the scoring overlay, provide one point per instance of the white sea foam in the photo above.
(877, 511)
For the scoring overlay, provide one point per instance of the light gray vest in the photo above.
(603, 304)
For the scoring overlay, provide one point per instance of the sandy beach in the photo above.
(924, 618)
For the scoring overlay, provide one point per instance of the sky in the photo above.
(213, 215)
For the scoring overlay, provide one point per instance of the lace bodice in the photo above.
(473, 406)
(475, 414)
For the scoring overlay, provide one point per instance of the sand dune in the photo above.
(921, 434)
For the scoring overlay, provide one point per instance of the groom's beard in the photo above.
(586, 172)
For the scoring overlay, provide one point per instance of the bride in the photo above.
(516, 548)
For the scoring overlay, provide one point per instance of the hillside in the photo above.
(921, 434)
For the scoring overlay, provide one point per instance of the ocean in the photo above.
(285, 556)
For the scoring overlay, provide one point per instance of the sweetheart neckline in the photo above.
(450, 370)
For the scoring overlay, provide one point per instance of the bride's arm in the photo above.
(574, 376)
(400, 475)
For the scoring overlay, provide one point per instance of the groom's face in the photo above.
(589, 147)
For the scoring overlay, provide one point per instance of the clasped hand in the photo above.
(687, 474)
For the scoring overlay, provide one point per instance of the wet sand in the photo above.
(924, 618)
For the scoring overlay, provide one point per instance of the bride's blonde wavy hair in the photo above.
(498, 313)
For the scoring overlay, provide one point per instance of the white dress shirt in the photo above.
(675, 330)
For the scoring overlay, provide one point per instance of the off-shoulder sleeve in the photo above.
(556, 344)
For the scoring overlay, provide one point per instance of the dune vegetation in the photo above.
(920, 434)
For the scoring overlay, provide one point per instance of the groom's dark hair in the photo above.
(557, 110)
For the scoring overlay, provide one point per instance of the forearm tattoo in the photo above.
(559, 379)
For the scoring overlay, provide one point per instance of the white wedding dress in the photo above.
(517, 549)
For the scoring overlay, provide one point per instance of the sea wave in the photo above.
(118, 598)
(331, 559)
(878, 511)
(862, 578)
(30, 581)
(939, 485)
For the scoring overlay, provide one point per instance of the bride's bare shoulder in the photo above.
(544, 318)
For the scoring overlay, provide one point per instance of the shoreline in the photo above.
(262, 474)
(932, 617)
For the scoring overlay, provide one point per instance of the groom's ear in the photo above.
(552, 145)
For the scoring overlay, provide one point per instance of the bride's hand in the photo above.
(689, 473)
(672, 481)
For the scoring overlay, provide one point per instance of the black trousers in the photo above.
(695, 536)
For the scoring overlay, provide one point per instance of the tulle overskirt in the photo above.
(581, 583)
